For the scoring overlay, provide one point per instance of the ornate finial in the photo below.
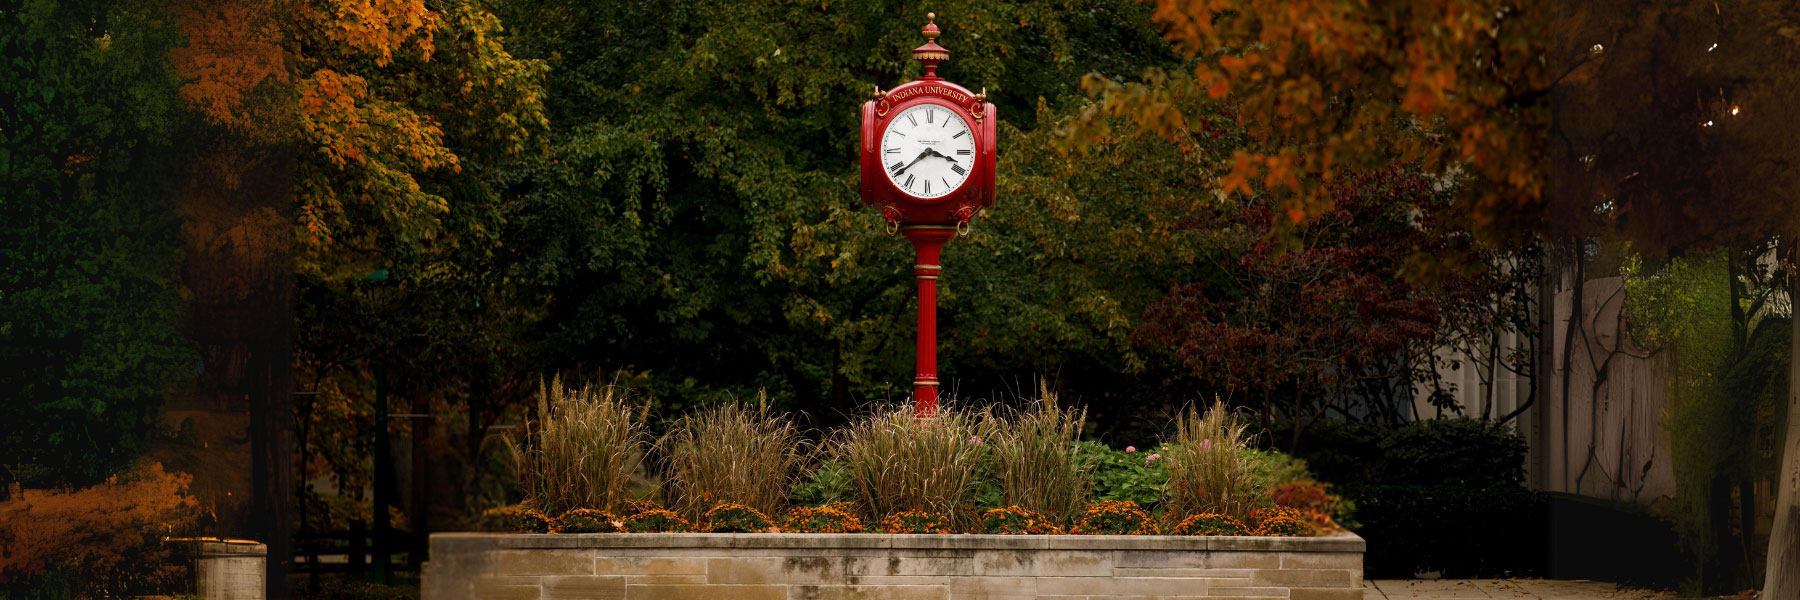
(931, 54)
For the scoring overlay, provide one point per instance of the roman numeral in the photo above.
(964, 152)
(897, 151)
(958, 168)
(910, 119)
(959, 134)
(897, 166)
(909, 180)
(946, 183)
(929, 115)
(928, 186)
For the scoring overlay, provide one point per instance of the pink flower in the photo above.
(1152, 457)
(975, 440)
(1130, 449)
(1205, 443)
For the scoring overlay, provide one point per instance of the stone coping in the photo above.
(459, 541)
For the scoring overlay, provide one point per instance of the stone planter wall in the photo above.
(889, 567)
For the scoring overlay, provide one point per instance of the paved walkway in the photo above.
(1534, 589)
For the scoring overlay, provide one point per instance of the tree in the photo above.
(90, 309)
(1692, 158)
(1671, 123)
(1328, 89)
(696, 221)
(405, 112)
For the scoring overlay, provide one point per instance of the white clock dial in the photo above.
(927, 150)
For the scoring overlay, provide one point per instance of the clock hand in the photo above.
(934, 152)
(915, 161)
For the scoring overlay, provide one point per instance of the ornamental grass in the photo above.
(1034, 460)
(1208, 470)
(733, 453)
(898, 462)
(582, 449)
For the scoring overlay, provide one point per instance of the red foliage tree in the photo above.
(1307, 323)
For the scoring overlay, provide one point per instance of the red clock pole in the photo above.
(927, 241)
(965, 169)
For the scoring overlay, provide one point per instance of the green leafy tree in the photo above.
(90, 306)
(697, 219)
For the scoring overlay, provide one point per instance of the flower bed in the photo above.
(902, 567)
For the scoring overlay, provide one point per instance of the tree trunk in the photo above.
(1782, 579)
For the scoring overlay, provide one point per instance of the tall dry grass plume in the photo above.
(1034, 460)
(733, 453)
(582, 450)
(1208, 471)
(898, 462)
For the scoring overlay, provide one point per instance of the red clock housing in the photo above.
(929, 221)
(975, 192)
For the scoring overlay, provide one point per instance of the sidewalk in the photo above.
(1536, 589)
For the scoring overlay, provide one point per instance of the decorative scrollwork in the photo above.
(881, 108)
(893, 219)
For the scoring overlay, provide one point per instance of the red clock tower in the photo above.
(928, 165)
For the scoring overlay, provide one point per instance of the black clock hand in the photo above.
(915, 161)
(942, 156)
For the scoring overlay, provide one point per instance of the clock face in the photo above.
(927, 150)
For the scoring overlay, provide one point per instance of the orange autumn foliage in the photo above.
(1324, 88)
(233, 64)
(111, 534)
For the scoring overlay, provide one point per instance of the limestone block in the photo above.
(868, 592)
(541, 562)
(584, 587)
(993, 588)
(706, 591)
(649, 565)
(1308, 578)
(1045, 562)
(1321, 560)
(1301, 593)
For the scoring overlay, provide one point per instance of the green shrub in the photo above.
(736, 454)
(518, 518)
(657, 521)
(1209, 524)
(899, 462)
(1273, 469)
(916, 521)
(1430, 494)
(588, 520)
(1114, 517)
(1140, 477)
(1014, 520)
(1034, 464)
(736, 518)
(821, 519)
(582, 450)
(1208, 469)
(828, 483)
(1280, 521)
